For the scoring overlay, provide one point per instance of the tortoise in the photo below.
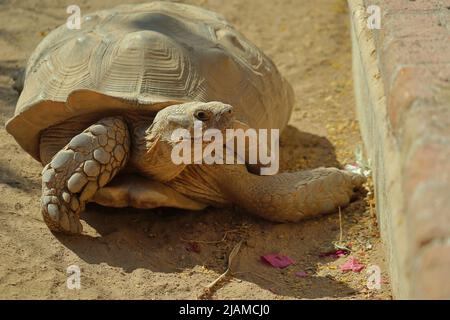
(99, 104)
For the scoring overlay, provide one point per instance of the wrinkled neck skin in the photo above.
(151, 152)
(151, 156)
(218, 185)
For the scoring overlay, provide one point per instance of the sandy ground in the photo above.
(137, 254)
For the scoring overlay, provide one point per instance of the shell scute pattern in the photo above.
(147, 56)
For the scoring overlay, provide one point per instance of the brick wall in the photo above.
(402, 87)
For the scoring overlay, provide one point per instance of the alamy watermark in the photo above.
(241, 146)
(74, 278)
(374, 277)
(374, 19)
(74, 20)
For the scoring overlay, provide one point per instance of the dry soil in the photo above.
(162, 254)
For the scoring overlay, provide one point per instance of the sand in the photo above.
(173, 254)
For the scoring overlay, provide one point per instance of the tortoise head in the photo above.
(191, 119)
(188, 123)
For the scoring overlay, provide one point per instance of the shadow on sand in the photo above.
(163, 240)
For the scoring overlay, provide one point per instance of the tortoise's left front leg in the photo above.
(90, 160)
(289, 196)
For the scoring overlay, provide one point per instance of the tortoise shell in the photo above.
(146, 57)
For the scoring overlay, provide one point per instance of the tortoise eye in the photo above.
(201, 115)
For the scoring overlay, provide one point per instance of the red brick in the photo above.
(413, 25)
(431, 275)
(406, 19)
(411, 84)
(428, 211)
(426, 169)
(428, 162)
(408, 138)
(427, 121)
(413, 51)
(407, 5)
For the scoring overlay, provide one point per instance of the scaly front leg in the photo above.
(88, 162)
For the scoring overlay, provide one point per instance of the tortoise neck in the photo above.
(150, 154)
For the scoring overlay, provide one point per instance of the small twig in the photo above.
(208, 290)
(340, 225)
(339, 244)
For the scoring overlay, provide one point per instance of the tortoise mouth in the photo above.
(227, 129)
(223, 123)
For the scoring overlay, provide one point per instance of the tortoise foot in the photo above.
(88, 162)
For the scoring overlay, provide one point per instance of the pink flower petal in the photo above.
(334, 254)
(301, 274)
(352, 264)
(341, 253)
(277, 260)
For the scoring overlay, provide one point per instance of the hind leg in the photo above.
(88, 162)
(132, 190)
